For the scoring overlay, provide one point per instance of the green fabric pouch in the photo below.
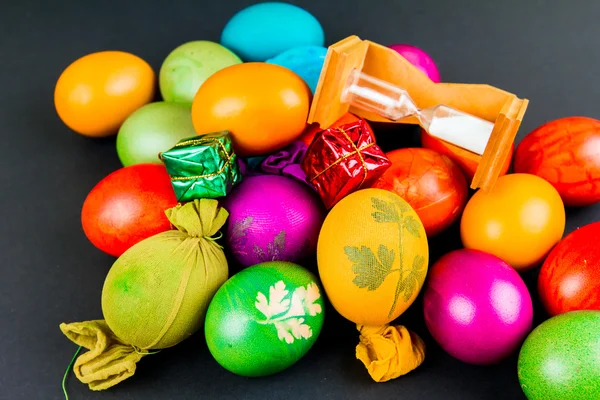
(154, 296)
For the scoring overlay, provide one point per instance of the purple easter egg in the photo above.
(273, 218)
(477, 307)
(419, 59)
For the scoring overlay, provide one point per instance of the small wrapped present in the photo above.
(343, 159)
(202, 167)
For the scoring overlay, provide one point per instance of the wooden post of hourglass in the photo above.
(388, 88)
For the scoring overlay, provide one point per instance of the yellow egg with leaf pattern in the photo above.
(372, 256)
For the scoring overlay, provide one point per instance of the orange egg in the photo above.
(519, 220)
(263, 106)
(96, 93)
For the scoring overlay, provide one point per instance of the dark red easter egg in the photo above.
(569, 279)
(466, 160)
(566, 153)
(128, 206)
(430, 182)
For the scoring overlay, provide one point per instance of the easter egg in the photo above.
(263, 106)
(128, 206)
(372, 256)
(264, 30)
(560, 359)
(264, 318)
(419, 59)
(569, 279)
(431, 183)
(466, 160)
(189, 65)
(306, 61)
(311, 130)
(477, 308)
(97, 92)
(272, 218)
(152, 129)
(566, 153)
(519, 220)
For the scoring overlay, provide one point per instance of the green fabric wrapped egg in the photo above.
(154, 296)
(264, 318)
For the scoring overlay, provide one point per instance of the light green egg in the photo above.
(152, 129)
(189, 65)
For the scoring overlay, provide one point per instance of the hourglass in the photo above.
(378, 84)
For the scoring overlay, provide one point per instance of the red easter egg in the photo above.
(430, 182)
(128, 206)
(566, 153)
(569, 279)
(466, 160)
(309, 133)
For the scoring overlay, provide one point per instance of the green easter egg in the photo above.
(151, 129)
(560, 359)
(264, 318)
(189, 65)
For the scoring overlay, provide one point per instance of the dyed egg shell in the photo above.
(372, 256)
(187, 67)
(566, 153)
(264, 319)
(419, 59)
(97, 92)
(431, 183)
(272, 218)
(569, 279)
(128, 206)
(311, 130)
(560, 359)
(264, 30)
(153, 128)
(306, 61)
(519, 220)
(477, 308)
(467, 161)
(263, 106)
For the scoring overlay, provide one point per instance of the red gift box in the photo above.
(343, 159)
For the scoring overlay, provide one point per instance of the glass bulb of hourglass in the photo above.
(374, 95)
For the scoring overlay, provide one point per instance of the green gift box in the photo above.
(202, 167)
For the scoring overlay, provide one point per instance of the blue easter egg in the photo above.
(305, 61)
(264, 30)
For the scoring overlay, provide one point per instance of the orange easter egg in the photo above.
(263, 106)
(96, 93)
(520, 220)
(372, 256)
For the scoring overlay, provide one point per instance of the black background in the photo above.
(546, 51)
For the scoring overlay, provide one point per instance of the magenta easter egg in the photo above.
(273, 218)
(477, 307)
(419, 59)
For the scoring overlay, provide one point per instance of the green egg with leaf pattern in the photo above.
(265, 318)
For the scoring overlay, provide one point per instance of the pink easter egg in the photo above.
(477, 307)
(272, 218)
(418, 58)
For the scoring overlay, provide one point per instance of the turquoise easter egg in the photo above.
(151, 129)
(264, 30)
(305, 61)
(264, 318)
(560, 359)
(187, 67)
